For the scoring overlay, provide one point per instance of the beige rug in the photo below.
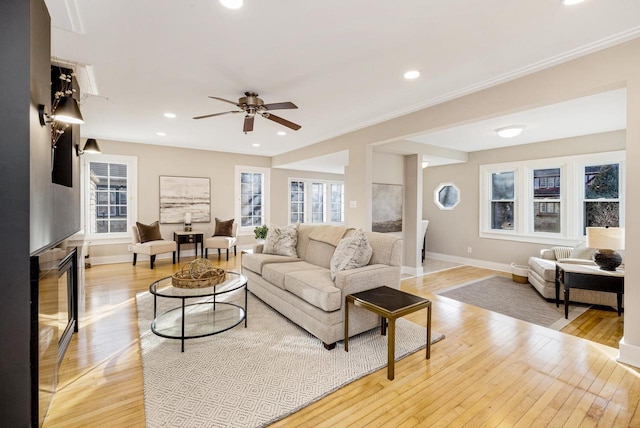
(522, 301)
(248, 377)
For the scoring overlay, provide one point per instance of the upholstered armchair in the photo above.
(147, 240)
(224, 237)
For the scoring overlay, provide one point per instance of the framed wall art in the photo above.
(182, 195)
(386, 213)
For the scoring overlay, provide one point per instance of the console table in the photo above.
(587, 277)
(189, 238)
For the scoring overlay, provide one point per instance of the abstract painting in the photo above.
(181, 195)
(387, 208)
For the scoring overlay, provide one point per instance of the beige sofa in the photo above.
(301, 288)
(542, 275)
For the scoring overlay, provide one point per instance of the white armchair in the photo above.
(222, 242)
(151, 248)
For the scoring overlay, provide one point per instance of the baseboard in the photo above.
(502, 267)
(411, 271)
(629, 354)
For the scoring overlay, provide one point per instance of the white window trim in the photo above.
(571, 198)
(308, 200)
(266, 200)
(132, 197)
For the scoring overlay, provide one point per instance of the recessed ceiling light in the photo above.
(571, 2)
(256, 144)
(282, 133)
(232, 4)
(510, 131)
(170, 115)
(412, 74)
(161, 134)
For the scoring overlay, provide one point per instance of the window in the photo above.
(601, 205)
(502, 200)
(296, 195)
(551, 200)
(546, 205)
(109, 200)
(252, 186)
(337, 202)
(316, 201)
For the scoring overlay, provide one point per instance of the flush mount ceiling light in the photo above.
(510, 131)
(281, 133)
(161, 134)
(170, 115)
(256, 144)
(232, 4)
(571, 2)
(412, 74)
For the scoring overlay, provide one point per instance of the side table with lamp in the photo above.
(607, 277)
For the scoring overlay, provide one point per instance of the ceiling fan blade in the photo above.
(280, 106)
(248, 124)
(226, 101)
(216, 114)
(281, 121)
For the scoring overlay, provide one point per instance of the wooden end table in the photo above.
(390, 304)
(587, 277)
(189, 238)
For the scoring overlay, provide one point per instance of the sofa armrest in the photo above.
(547, 254)
(367, 277)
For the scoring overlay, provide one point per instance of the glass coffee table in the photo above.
(213, 309)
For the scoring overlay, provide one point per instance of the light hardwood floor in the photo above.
(490, 370)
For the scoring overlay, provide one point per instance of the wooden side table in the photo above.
(189, 238)
(390, 304)
(587, 277)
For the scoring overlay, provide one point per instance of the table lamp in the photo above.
(187, 222)
(606, 240)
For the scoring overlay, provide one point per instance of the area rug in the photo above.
(522, 301)
(254, 376)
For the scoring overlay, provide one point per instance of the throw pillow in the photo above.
(561, 252)
(582, 252)
(149, 232)
(352, 252)
(223, 228)
(282, 241)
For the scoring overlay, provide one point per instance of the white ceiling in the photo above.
(340, 61)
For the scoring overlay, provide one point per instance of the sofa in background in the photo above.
(542, 275)
(301, 288)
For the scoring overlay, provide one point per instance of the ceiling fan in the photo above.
(251, 105)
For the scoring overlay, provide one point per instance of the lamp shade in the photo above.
(91, 146)
(68, 111)
(611, 238)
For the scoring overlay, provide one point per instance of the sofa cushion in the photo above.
(282, 240)
(319, 253)
(256, 262)
(275, 273)
(352, 252)
(561, 252)
(582, 252)
(315, 287)
(150, 232)
(546, 269)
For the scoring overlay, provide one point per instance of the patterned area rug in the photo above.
(248, 377)
(522, 301)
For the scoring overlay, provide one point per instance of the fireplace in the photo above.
(54, 291)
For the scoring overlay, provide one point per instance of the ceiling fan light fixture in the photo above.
(412, 74)
(510, 131)
(232, 4)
